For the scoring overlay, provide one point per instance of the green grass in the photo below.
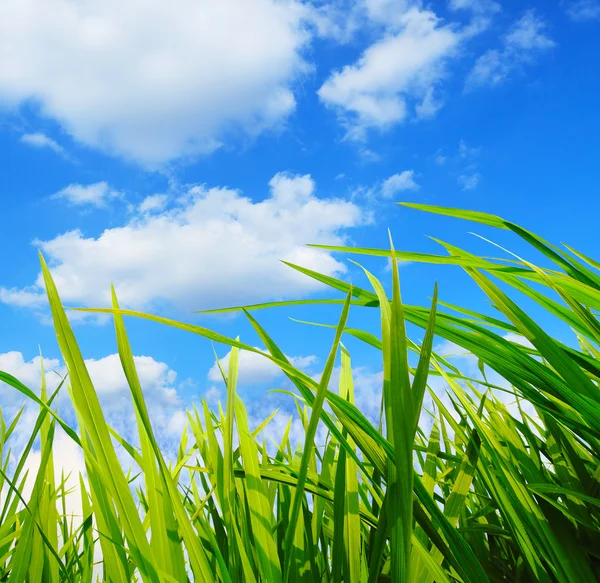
(499, 480)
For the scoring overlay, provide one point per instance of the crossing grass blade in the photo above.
(487, 473)
(317, 405)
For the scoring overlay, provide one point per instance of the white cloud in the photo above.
(388, 12)
(29, 372)
(164, 406)
(528, 33)
(109, 379)
(97, 194)
(367, 155)
(399, 182)
(468, 364)
(429, 106)
(38, 140)
(216, 248)
(106, 373)
(525, 40)
(177, 82)
(466, 152)
(477, 6)
(213, 395)
(395, 75)
(518, 339)
(27, 297)
(153, 203)
(367, 389)
(68, 462)
(157, 379)
(399, 262)
(583, 10)
(336, 19)
(254, 368)
(469, 181)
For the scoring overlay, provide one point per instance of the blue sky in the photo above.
(181, 154)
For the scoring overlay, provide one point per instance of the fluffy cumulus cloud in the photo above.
(68, 465)
(254, 368)
(163, 403)
(27, 371)
(396, 77)
(96, 195)
(215, 248)
(106, 374)
(398, 183)
(173, 83)
(526, 39)
(583, 10)
(163, 400)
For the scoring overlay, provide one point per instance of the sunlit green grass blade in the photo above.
(23, 563)
(317, 405)
(102, 451)
(47, 510)
(171, 508)
(260, 510)
(400, 482)
(347, 547)
(505, 486)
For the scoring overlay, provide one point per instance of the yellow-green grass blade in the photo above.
(429, 483)
(352, 527)
(304, 383)
(229, 495)
(576, 271)
(210, 335)
(114, 558)
(474, 216)
(260, 510)
(317, 406)
(19, 386)
(7, 510)
(426, 510)
(87, 559)
(85, 401)
(542, 341)
(529, 524)
(47, 511)
(435, 572)
(422, 372)
(171, 513)
(281, 304)
(458, 495)
(400, 482)
(23, 564)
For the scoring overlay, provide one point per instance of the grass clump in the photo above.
(479, 487)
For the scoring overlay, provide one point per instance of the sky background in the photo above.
(180, 149)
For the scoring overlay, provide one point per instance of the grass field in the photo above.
(497, 481)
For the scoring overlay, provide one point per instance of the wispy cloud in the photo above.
(398, 183)
(469, 181)
(96, 195)
(583, 10)
(477, 6)
(153, 203)
(42, 141)
(526, 39)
